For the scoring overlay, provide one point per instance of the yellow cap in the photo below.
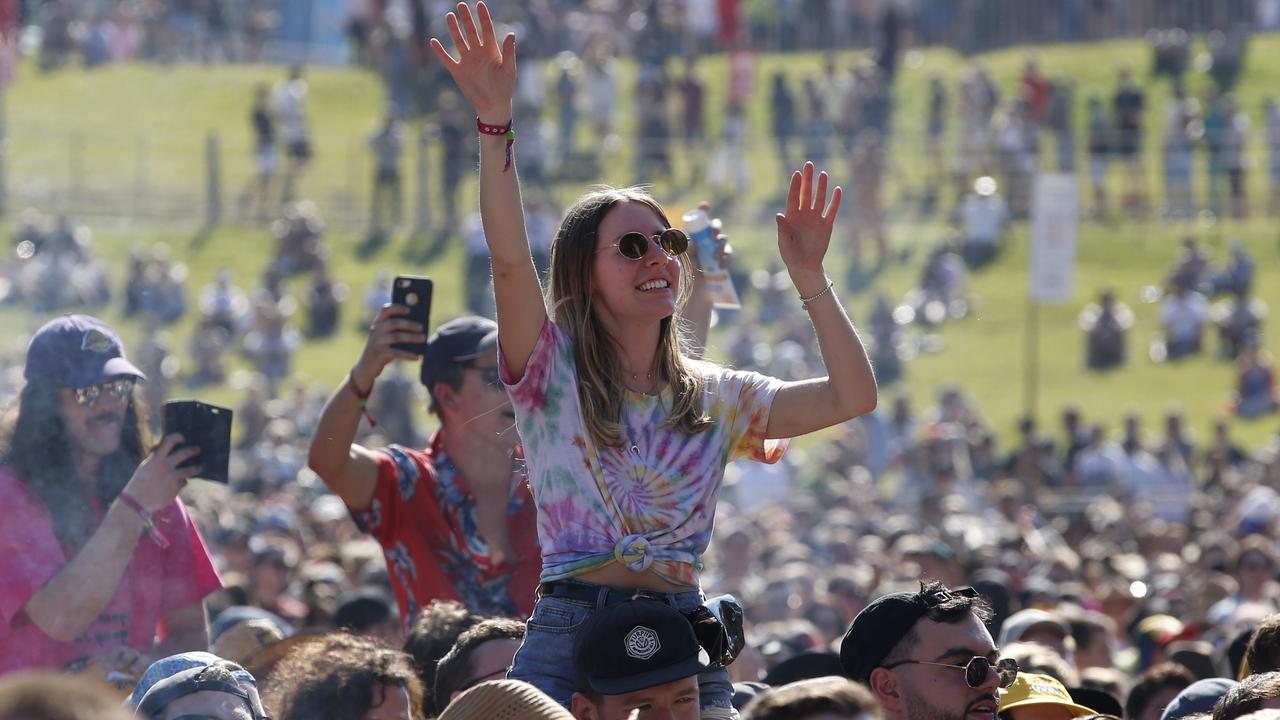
(1033, 689)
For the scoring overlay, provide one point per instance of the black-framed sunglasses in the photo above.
(489, 374)
(120, 387)
(975, 671)
(635, 245)
(496, 674)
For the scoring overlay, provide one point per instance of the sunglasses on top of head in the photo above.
(120, 387)
(635, 245)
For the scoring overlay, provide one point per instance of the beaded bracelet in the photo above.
(157, 537)
(496, 130)
(363, 397)
(804, 301)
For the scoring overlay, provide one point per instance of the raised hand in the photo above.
(484, 72)
(804, 228)
(388, 328)
(158, 478)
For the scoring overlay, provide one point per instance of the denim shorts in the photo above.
(545, 658)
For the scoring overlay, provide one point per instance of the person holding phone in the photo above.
(100, 565)
(455, 520)
(626, 434)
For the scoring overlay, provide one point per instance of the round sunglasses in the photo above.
(975, 671)
(635, 245)
(119, 387)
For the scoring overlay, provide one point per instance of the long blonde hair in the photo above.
(599, 368)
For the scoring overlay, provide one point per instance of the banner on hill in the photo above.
(1054, 215)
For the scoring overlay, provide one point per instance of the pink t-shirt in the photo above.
(650, 503)
(156, 582)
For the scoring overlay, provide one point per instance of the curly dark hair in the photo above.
(35, 444)
(434, 632)
(339, 677)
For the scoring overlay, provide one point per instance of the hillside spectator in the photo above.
(1127, 108)
(387, 196)
(1179, 123)
(457, 154)
(1105, 324)
(1239, 323)
(566, 103)
(1271, 120)
(868, 166)
(600, 75)
(223, 305)
(817, 121)
(209, 343)
(1101, 143)
(782, 117)
(289, 100)
(1182, 315)
(297, 235)
(983, 217)
(263, 125)
(693, 121)
(1236, 275)
(1255, 383)
(323, 302)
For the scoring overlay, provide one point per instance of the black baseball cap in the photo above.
(882, 625)
(77, 351)
(636, 645)
(456, 341)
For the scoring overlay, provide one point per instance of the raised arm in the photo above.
(486, 75)
(348, 469)
(849, 390)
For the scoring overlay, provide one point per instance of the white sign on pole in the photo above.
(1054, 216)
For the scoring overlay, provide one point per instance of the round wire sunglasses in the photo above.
(635, 245)
(119, 387)
(975, 671)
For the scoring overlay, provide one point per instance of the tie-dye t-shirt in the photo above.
(650, 503)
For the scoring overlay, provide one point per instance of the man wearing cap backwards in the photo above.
(637, 657)
(927, 655)
(98, 557)
(456, 521)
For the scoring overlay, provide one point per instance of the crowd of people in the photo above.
(602, 524)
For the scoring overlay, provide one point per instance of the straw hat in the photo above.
(504, 700)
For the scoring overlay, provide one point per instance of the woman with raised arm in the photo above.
(625, 434)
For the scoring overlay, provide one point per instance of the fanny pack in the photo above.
(717, 623)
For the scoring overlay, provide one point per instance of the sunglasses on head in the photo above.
(975, 671)
(635, 245)
(119, 387)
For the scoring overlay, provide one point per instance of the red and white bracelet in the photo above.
(499, 130)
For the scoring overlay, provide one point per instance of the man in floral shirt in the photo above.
(456, 521)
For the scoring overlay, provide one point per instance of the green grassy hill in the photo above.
(144, 127)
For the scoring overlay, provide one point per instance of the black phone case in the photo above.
(414, 293)
(207, 427)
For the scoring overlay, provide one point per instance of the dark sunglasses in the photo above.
(489, 375)
(975, 671)
(500, 673)
(635, 245)
(119, 387)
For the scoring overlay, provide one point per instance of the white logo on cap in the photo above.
(642, 643)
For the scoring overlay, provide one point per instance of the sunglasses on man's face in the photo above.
(489, 374)
(118, 387)
(635, 245)
(975, 671)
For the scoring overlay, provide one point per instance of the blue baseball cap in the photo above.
(77, 351)
(459, 340)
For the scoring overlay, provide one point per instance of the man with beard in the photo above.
(927, 655)
(456, 521)
(100, 566)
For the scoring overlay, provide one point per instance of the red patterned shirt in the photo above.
(423, 515)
